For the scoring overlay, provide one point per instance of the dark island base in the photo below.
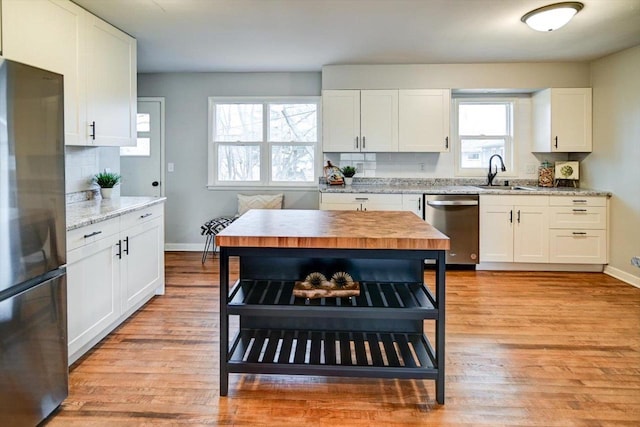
(376, 334)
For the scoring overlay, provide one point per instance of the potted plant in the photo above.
(106, 181)
(348, 172)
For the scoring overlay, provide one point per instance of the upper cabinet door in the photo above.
(379, 120)
(424, 120)
(341, 121)
(562, 120)
(48, 34)
(111, 85)
(571, 119)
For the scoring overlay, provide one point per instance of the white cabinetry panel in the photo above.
(424, 120)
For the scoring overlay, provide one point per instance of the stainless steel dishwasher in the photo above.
(457, 216)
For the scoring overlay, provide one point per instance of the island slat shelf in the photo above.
(379, 333)
(269, 297)
(334, 353)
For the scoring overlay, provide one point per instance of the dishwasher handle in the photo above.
(452, 202)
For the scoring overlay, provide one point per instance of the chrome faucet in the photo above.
(492, 175)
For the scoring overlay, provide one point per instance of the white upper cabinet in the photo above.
(360, 121)
(341, 120)
(424, 120)
(98, 63)
(111, 84)
(379, 120)
(48, 34)
(562, 120)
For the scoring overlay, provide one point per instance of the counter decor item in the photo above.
(316, 285)
(348, 172)
(333, 175)
(567, 173)
(106, 181)
(545, 175)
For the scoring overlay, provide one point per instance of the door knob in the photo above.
(155, 183)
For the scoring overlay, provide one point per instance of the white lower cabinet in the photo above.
(361, 201)
(142, 268)
(113, 268)
(578, 230)
(93, 293)
(413, 203)
(543, 229)
(514, 229)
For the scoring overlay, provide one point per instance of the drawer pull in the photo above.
(579, 233)
(362, 198)
(579, 210)
(145, 215)
(579, 201)
(95, 233)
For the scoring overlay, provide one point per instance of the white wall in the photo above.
(189, 203)
(460, 76)
(615, 162)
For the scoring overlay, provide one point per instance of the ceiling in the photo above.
(304, 35)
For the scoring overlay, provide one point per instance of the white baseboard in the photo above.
(520, 266)
(623, 275)
(184, 247)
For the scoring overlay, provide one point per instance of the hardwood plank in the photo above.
(530, 349)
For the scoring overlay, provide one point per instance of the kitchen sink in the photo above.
(505, 187)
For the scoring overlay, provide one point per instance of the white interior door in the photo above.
(141, 166)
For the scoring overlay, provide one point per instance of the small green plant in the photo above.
(348, 171)
(107, 179)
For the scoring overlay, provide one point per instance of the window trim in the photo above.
(511, 147)
(265, 145)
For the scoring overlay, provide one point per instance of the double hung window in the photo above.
(263, 141)
(483, 127)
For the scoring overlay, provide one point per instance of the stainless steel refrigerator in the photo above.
(33, 309)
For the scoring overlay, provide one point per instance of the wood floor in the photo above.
(543, 349)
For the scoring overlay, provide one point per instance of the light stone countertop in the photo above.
(417, 187)
(88, 212)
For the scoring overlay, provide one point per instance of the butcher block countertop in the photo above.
(332, 230)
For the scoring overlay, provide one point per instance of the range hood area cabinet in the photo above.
(97, 60)
(386, 120)
(562, 120)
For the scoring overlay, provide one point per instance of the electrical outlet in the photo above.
(170, 167)
(531, 168)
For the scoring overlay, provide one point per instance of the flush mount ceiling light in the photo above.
(553, 16)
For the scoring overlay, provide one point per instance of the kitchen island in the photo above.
(379, 333)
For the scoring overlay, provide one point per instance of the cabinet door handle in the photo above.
(579, 210)
(93, 130)
(518, 216)
(126, 248)
(556, 144)
(579, 233)
(95, 233)
(419, 204)
(119, 245)
(364, 143)
(357, 137)
(146, 215)
(446, 142)
(511, 216)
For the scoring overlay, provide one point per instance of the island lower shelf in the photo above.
(332, 353)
